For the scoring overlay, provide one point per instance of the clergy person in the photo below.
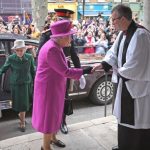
(129, 57)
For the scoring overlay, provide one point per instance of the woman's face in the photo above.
(32, 28)
(20, 52)
(66, 40)
(103, 36)
(24, 29)
(16, 31)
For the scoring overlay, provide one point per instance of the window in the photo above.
(85, 0)
(132, 0)
(69, 0)
(50, 1)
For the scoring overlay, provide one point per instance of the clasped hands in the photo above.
(90, 69)
(97, 67)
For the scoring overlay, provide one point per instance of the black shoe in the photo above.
(115, 148)
(64, 128)
(59, 143)
(22, 127)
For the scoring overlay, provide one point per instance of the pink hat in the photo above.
(61, 28)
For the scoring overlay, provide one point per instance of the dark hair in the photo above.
(123, 10)
(46, 26)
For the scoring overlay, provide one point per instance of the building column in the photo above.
(39, 12)
(146, 8)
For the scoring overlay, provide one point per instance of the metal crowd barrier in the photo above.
(106, 78)
(105, 108)
(114, 94)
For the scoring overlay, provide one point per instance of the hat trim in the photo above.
(18, 47)
(64, 10)
(62, 14)
(63, 34)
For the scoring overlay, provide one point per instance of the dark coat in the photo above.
(43, 39)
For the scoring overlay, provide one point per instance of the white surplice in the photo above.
(137, 70)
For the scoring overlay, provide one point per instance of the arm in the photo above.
(104, 44)
(5, 67)
(74, 57)
(56, 60)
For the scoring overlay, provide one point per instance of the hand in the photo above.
(82, 82)
(68, 58)
(87, 70)
(97, 67)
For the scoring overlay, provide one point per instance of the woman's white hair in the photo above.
(56, 39)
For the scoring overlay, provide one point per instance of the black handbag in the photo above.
(68, 108)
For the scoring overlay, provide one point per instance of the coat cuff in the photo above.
(106, 66)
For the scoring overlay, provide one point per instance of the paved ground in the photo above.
(83, 111)
(97, 134)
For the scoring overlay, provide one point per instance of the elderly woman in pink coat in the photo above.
(50, 83)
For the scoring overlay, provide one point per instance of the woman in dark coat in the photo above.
(22, 74)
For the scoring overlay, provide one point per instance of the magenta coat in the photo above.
(50, 87)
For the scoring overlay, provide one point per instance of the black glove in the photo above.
(87, 70)
(123, 78)
(106, 66)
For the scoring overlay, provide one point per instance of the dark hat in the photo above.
(66, 13)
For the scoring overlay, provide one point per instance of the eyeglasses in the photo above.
(113, 19)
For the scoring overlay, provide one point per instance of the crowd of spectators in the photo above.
(15, 26)
(94, 34)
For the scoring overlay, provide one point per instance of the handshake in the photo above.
(87, 70)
